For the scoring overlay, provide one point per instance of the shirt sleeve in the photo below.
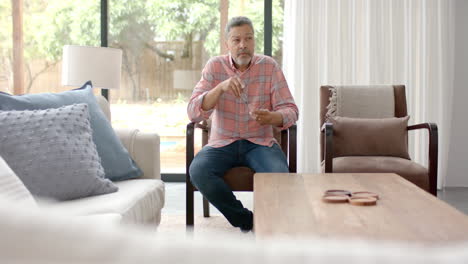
(194, 108)
(281, 98)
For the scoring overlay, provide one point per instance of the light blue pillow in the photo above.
(53, 153)
(117, 163)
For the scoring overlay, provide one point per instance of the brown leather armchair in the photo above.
(426, 178)
(238, 178)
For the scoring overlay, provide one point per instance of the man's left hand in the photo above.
(265, 117)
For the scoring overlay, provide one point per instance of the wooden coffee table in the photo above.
(291, 205)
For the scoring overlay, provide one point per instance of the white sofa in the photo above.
(35, 237)
(138, 201)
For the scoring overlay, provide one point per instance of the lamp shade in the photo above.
(100, 65)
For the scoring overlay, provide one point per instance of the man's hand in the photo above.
(233, 84)
(265, 117)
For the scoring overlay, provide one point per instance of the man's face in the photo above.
(241, 44)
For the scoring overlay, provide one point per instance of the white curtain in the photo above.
(406, 42)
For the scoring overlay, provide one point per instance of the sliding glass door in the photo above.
(165, 44)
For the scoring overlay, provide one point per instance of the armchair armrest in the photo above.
(322, 129)
(190, 141)
(433, 153)
(190, 145)
(292, 145)
(143, 147)
(327, 129)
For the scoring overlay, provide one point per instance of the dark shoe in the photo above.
(249, 225)
(245, 230)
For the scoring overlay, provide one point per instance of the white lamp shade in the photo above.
(101, 66)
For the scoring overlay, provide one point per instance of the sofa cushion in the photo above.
(115, 159)
(12, 188)
(53, 153)
(370, 137)
(409, 170)
(100, 220)
(138, 201)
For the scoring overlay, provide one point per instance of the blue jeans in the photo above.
(210, 164)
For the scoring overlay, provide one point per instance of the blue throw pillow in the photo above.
(117, 163)
(53, 153)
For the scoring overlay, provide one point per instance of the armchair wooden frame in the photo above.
(327, 132)
(400, 111)
(288, 139)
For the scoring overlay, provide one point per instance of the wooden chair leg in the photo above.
(189, 206)
(206, 208)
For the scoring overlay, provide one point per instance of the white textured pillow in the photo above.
(53, 153)
(12, 188)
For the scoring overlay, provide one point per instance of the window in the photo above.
(6, 42)
(165, 47)
(254, 9)
(47, 27)
(166, 44)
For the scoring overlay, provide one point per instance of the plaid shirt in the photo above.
(265, 87)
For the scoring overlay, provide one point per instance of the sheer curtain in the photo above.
(371, 42)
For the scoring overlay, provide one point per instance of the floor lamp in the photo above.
(100, 65)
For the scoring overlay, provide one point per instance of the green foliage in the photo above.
(51, 24)
(252, 9)
(133, 25)
(6, 27)
(5, 42)
(173, 20)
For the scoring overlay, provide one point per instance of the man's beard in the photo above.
(242, 61)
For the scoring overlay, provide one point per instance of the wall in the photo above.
(458, 153)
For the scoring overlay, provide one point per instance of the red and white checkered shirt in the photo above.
(265, 86)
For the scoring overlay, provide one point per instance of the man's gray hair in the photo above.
(237, 22)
